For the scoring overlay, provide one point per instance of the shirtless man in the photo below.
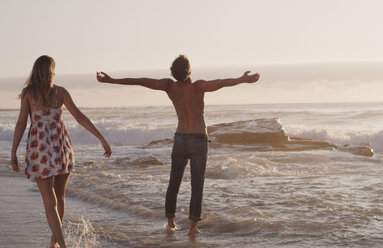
(190, 139)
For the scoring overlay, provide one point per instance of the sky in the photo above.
(85, 36)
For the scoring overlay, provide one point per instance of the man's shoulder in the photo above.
(186, 86)
(167, 80)
(199, 82)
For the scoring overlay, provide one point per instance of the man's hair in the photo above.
(181, 68)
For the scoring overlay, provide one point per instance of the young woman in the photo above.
(49, 158)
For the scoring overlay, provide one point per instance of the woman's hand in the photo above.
(107, 149)
(14, 162)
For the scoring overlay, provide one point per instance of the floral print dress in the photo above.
(49, 148)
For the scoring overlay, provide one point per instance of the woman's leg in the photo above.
(50, 203)
(60, 183)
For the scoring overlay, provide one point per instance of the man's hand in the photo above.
(250, 78)
(103, 77)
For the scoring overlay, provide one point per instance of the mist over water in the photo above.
(281, 174)
(279, 83)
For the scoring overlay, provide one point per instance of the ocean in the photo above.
(278, 175)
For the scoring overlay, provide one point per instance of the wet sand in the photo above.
(22, 215)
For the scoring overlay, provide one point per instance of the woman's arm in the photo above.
(84, 121)
(154, 84)
(19, 130)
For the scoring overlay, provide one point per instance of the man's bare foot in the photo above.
(193, 230)
(170, 229)
(171, 226)
(171, 223)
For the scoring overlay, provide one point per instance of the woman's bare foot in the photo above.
(54, 243)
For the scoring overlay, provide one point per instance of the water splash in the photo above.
(80, 234)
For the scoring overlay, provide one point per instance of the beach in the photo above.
(23, 217)
(278, 175)
(22, 214)
(290, 93)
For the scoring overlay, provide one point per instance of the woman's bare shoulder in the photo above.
(60, 89)
(26, 92)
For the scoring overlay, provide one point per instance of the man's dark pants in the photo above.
(195, 148)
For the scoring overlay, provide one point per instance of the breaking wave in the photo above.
(259, 134)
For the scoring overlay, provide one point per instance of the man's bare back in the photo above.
(188, 101)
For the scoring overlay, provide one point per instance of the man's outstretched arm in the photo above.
(214, 85)
(155, 84)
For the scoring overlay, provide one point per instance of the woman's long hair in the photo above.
(40, 81)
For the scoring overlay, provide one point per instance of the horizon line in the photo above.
(238, 104)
